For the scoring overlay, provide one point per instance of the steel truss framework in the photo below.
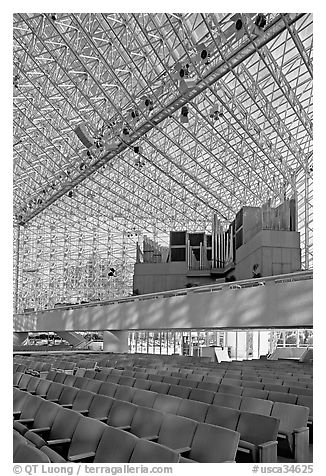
(79, 212)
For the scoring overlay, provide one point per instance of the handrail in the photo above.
(246, 283)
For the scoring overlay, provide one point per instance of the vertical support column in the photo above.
(306, 220)
(17, 270)
(115, 341)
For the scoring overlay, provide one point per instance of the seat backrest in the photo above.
(64, 424)
(93, 385)
(16, 378)
(19, 398)
(24, 380)
(145, 398)
(306, 401)
(102, 375)
(257, 429)
(167, 403)
(222, 416)
(188, 382)
(214, 444)
(70, 380)
(54, 391)
(146, 422)
(100, 406)
(276, 388)
(29, 454)
(253, 384)
(212, 387)
(291, 416)
(115, 446)
(33, 383)
(171, 380)
(86, 436)
(126, 380)
(68, 395)
(124, 392)
(283, 397)
(227, 400)
(60, 377)
(51, 374)
(232, 389)
(159, 387)
(176, 431)
(52, 455)
(30, 406)
(121, 413)
(142, 383)
(256, 405)
(82, 400)
(45, 414)
(43, 387)
(108, 389)
(149, 452)
(301, 391)
(192, 409)
(201, 395)
(113, 378)
(179, 391)
(255, 393)
(90, 373)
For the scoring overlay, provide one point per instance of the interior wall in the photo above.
(281, 305)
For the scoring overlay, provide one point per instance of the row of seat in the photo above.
(291, 416)
(79, 438)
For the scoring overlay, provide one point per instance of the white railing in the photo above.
(247, 283)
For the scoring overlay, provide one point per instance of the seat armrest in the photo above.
(150, 437)
(17, 413)
(83, 412)
(267, 452)
(301, 444)
(59, 441)
(41, 430)
(183, 451)
(43, 395)
(66, 405)
(124, 427)
(103, 418)
(54, 400)
(81, 456)
(25, 420)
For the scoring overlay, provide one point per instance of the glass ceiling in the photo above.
(185, 115)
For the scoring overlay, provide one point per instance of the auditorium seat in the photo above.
(155, 377)
(82, 401)
(201, 395)
(60, 432)
(68, 396)
(43, 387)
(92, 385)
(188, 382)
(258, 438)
(41, 420)
(70, 380)
(171, 380)
(146, 423)
(60, 377)
(28, 410)
(257, 385)
(293, 430)
(23, 381)
(90, 373)
(125, 380)
(145, 398)
(108, 389)
(301, 391)
(167, 403)
(212, 444)
(124, 392)
(222, 416)
(121, 414)
(227, 400)
(276, 388)
(102, 375)
(16, 378)
(149, 452)
(283, 397)
(29, 454)
(160, 387)
(142, 383)
(19, 398)
(54, 391)
(179, 391)
(85, 440)
(212, 387)
(52, 455)
(192, 409)
(115, 446)
(256, 405)
(232, 389)
(255, 393)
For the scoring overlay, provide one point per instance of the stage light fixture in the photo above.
(260, 20)
(112, 272)
(203, 54)
(216, 112)
(184, 114)
(146, 103)
(83, 135)
(70, 194)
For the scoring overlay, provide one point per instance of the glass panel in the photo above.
(185, 343)
(194, 344)
(171, 337)
(291, 338)
(156, 342)
(151, 342)
(212, 338)
(305, 337)
(164, 343)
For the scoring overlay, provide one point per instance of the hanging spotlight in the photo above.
(83, 135)
(260, 20)
(203, 55)
(82, 166)
(112, 272)
(216, 112)
(54, 16)
(146, 103)
(70, 194)
(133, 116)
(184, 114)
(138, 149)
(181, 72)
